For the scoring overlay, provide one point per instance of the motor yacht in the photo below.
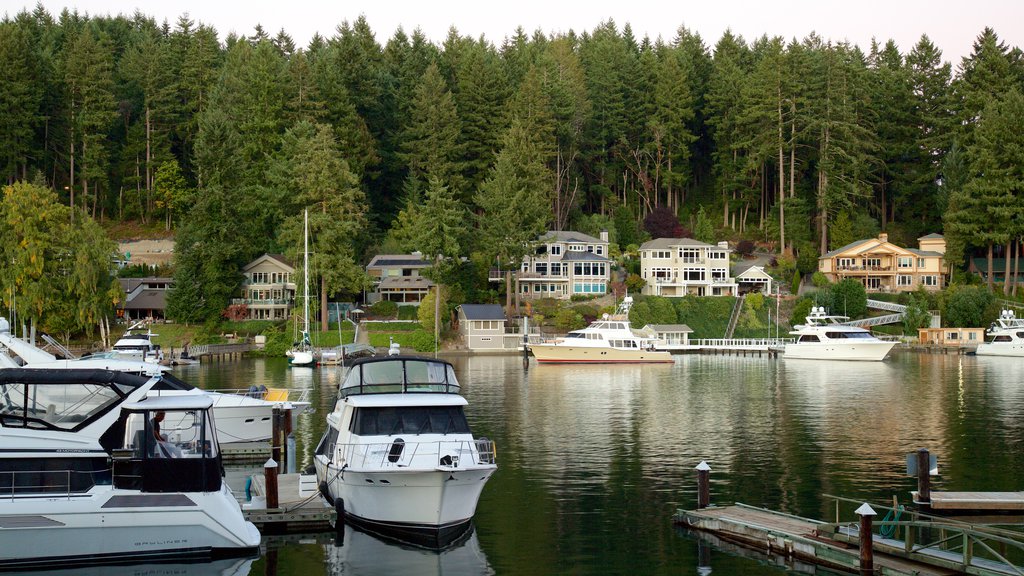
(138, 345)
(241, 415)
(609, 340)
(826, 337)
(1005, 336)
(398, 457)
(85, 479)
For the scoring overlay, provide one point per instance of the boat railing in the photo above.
(401, 388)
(401, 454)
(270, 394)
(51, 483)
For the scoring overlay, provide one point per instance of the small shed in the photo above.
(670, 334)
(482, 326)
(754, 278)
(951, 336)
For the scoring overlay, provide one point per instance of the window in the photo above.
(689, 255)
(904, 280)
(694, 274)
(588, 288)
(718, 255)
(952, 336)
(590, 248)
(873, 283)
(844, 263)
(575, 247)
(661, 254)
(526, 266)
(410, 420)
(661, 273)
(719, 274)
(930, 280)
(555, 269)
(872, 262)
(904, 262)
(599, 250)
(972, 335)
(809, 338)
(589, 269)
(920, 262)
(541, 268)
(556, 249)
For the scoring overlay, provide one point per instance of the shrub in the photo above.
(849, 298)
(745, 247)
(635, 284)
(800, 311)
(384, 309)
(569, 319)
(408, 312)
(794, 286)
(419, 340)
(820, 280)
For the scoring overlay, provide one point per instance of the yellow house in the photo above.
(885, 267)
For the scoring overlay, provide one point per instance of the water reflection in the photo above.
(224, 567)
(361, 553)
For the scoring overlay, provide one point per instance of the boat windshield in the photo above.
(849, 335)
(56, 405)
(400, 375)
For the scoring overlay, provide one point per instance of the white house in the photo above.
(754, 278)
(482, 326)
(268, 289)
(680, 266)
(564, 264)
(396, 277)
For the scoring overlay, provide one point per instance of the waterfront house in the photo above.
(482, 326)
(885, 267)
(564, 264)
(268, 288)
(754, 279)
(397, 277)
(669, 334)
(951, 336)
(677, 267)
(145, 298)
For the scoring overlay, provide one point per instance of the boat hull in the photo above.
(1013, 349)
(559, 353)
(301, 358)
(437, 503)
(862, 351)
(107, 526)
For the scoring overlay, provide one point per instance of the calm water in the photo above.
(594, 460)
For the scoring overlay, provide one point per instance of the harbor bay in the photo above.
(594, 460)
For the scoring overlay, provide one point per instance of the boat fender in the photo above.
(325, 492)
(248, 489)
(339, 521)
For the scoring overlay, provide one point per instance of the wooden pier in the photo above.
(300, 508)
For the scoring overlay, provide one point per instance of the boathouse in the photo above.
(482, 326)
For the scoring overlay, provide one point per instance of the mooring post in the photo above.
(703, 558)
(867, 561)
(703, 485)
(270, 475)
(275, 437)
(924, 466)
(289, 440)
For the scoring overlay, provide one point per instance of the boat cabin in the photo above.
(169, 445)
(400, 375)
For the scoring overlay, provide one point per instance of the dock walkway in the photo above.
(796, 538)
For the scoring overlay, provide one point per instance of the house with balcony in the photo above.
(564, 264)
(268, 288)
(677, 267)
(144, 298)
(397, 277)
(885, 267)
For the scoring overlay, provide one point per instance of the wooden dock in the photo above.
(300, 507)
(245, 452)
(798, 539)
(970, 502)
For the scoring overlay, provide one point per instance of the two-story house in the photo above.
(564, 264)
(396, 277)
(268, 288)
(681, 266)
(885, 267)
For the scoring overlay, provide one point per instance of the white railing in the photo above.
(741, 343)
(270, 394)
(429, 455)
(890, 306)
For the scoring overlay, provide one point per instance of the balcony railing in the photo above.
(864, 268)
(262, 301)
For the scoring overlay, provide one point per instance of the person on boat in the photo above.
(165, 449)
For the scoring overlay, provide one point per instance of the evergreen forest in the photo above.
(471, 148)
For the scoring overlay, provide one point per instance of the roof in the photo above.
(932, 236)
(402, 400)
(570, 236)
(277, 258)
(175, 402)
(573, 256)
(393, 260)
(409, 282)
(148, 300)
(673, 242)
(662, 328)
(840, 250)
(482, 312)
(924, 252)
(753, 272)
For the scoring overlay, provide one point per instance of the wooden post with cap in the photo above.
(703, 485)
(270, 475)
(924, 468)
(867, 561)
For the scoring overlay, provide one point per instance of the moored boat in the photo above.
(826, 337)
(398, 456)
(609, 340)
(1005, 336)
(62, 502)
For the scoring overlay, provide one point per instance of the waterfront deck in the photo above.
(300, 507)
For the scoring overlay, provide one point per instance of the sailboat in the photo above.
(302, 355)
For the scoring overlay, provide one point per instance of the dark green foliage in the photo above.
(917, 315)
(707, 316)
(848, 298)
(968, 307)
(745, 247)
(418, 340)
(794, 286)
(408, 313)
(802, 310)
(384, 309)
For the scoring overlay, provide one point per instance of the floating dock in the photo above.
(300, 507)
(835, 545)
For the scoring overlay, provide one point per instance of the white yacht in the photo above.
(138, 345)
(1005, 336)
(609, 340)
(241, 415)
(398, 457)
(85, 480)
(826, 337)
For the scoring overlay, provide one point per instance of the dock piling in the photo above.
(270, 474)
(703, 485)
(924, 495)
(867, 540)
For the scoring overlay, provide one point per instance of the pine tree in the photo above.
(20, 100)
(431, 148)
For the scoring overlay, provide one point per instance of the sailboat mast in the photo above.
(305, 271)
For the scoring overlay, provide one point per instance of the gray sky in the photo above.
(951, 25)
